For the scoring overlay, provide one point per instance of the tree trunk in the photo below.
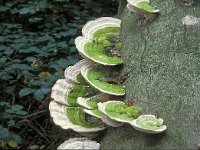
(164, 63)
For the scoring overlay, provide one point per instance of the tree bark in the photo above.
(163, 58)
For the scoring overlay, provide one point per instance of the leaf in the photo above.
(12, 144)
(42, 75)
(36, 82)
(3, 8)
(39, 95)
(70, 32)
(5, 115)
(30, 59)
(45, 90)
(56, 67)
(21, 112)
(17, 138)
(24, 11)
(21, 67)
(11, 123)
(31, 49)
(10, 89)
(4, 104)
(43, 4)
(63, 63)
(10, 111)
(17, 107)
(62, 44)
(35, 19)
(25, 91)
(4, 133)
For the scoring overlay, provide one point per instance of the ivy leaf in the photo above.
(5, 115)
(21, 112)
(4, 104)
(35, 19)
(4, 133)
(17, 107)
(10, 89)
(24, 11)
(39, 95)
(25, 91)
(11, 123)
(17, 138)
(12, 144)
(3, 8)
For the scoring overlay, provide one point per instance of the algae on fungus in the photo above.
(141, 5)
(149, 124)
(93, 76)
(101, 42)
(119, 111)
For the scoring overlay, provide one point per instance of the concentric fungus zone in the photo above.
(149, 123)
(77, 116)
(121, 111)
(94, 76)
(79, 90)
(106, 46)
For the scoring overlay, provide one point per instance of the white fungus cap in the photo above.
(79, 143)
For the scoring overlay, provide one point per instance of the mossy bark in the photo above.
(164, 63)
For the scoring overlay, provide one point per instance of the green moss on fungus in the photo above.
(79, 90)
(93, 76)
(77, 116)
(104, 38)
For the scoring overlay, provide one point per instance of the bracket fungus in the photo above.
(73, 118)
(95, 76)
(119, 111)
(87, 103)
(113, 123)
(60, 90)
(77, 105)
(73, 72)
(67, 92)
(79, 143)
(149, 124)
(100, 41)
(141, 6)
(93, 26)
(90, 106)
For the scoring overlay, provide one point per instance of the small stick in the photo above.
(42, 135)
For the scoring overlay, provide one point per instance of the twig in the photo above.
(31, 115)
(36, 113)
(42, 135)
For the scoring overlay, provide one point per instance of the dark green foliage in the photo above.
(36, 45)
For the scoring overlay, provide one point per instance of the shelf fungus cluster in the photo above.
(83, 101)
